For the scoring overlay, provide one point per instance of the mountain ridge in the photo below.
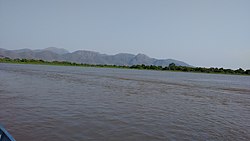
(87, 57)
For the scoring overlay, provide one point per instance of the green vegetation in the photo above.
(59, 63)
(171, 67)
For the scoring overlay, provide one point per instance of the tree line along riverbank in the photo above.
(171, 67)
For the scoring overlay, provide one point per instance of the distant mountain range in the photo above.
(87, 57)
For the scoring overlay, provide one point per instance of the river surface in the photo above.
(57, 103)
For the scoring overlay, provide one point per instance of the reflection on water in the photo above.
(77, 103)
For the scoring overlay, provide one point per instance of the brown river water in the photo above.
(57, 103)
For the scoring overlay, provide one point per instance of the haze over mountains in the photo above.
(87, 57)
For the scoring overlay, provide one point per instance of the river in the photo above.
(40, 103)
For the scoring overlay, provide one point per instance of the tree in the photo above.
(172, 66)
(240, 71)
(247, 72)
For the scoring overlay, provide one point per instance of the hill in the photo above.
(87, 57)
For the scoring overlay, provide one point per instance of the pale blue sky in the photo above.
(210, 33)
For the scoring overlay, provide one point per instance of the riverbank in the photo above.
(171, 67)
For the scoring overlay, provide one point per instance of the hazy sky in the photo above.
(210, 33)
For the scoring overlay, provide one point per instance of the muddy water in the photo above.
(41, 103)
